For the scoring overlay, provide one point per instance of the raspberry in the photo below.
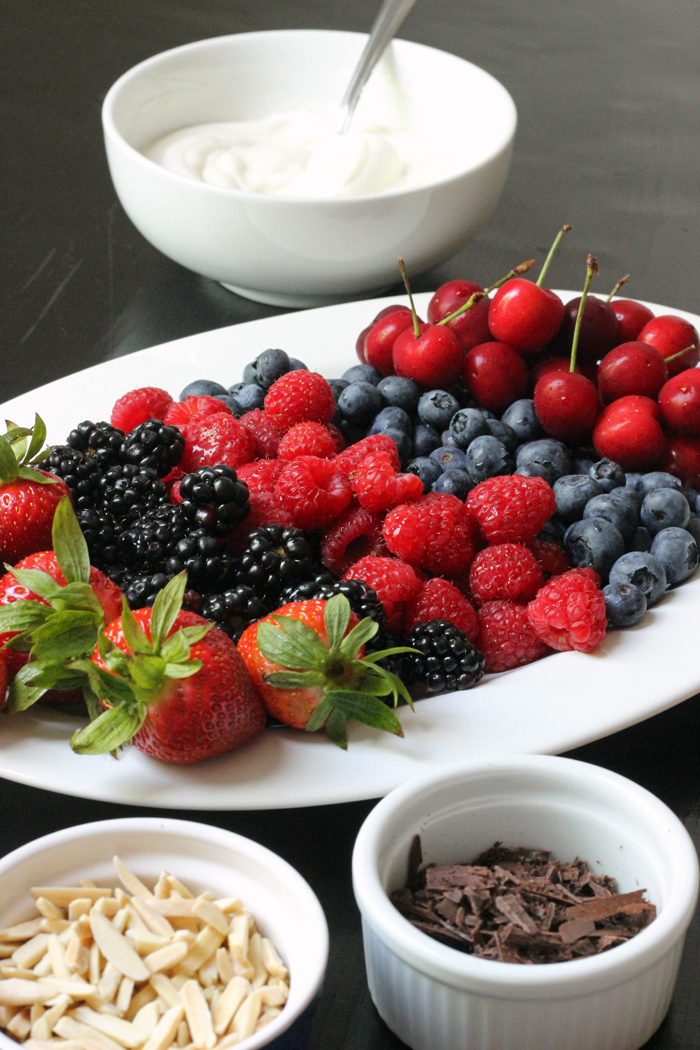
(174, 491)
(313, 491)
(267, 435)
(511, 508)
(134, 408)
(379, 487)
(216, 439)
(395, 582)
(552, 559)
(351, 458)
(507, 571)
(182, 412)
(439, 599)
(298, 397)
(505, 636)
(307, 439)
(435, 532)
(262, 475)
(264, 508)
(569, 613)
(357, 533)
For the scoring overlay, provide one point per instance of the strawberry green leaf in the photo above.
(64, 636)
(176, 649)
(147, 672)
(361, 633)
(183, 670)
(108, 687)
(372, 658)
(22, 696)
(294, 679)
(363, 708)
(374, 681)
(319, 716)
(114, 659)
(38, 438)
(19, 444)
(23, 615)
(286, 651)
(78, 596)
(196, 632)
(300, 632)
(134, 635)
(166, 607)
(92, 703)
(36, 581)
(111, 730)
(8, 461)
(336, 617)
(69, 544)
(21, 642)
(30, 474)
(336, 728)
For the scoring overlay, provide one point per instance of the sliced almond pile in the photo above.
(137, 969)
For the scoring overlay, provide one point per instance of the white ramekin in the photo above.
(284, 905)
(436, 998)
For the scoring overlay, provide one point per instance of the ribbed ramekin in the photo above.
(436, 998)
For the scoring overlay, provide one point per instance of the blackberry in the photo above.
(99, 441)
(208, 565)
(363, 598)
(101, 535)
(395, 664)
(81, 474)
(141, 591)
(446, 659)
(154, 445)
(214, 499)
(128, 491)
(234, 610)
(148, 542)
(274, 558)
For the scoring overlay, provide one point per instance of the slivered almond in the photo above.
(224, 965)
(49, 910)
(246, 1016)
(142, 998)
(61, 896)
(123, 1032)
(272, 996)
(109, 982)
(77, 955)
(230, 999)
(120, 920)
(57, 955)
(208, 974)
(148, 1017)
(22, 930)
(126, 990)
(43, 967)
(29, 954)
(6, 950)
(108, 906)
(101, 1006)
(271, 959)
(166, 989)
(95, 964)
(166, 1029)
(21, 1024)
(155, 922)
(80, 906)
(229, 904)
(167, 958)
(266, 1016)
(206, 943)
(74, 987)
(198, 1016)
(174, 907)
(52, 1016)
(131, 883)
(162, 887)
(255, 958)
(17, 971)
(117, 950)
(144, 941)
(17, 992)
(179, 887)
(90, 1038)
(208, 912)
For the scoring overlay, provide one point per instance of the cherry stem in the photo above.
(416, 326)
(618, 286)
(478, 296)
(680, 353)
(552, 252)
(591, 268)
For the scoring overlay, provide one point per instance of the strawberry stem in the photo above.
(416, 326)
(552, 252)
(618, 286)
(591, 268)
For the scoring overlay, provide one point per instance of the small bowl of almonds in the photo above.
(150, 934)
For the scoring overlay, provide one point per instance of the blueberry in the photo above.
(250, 396)
(644, 571)
(544, 457)
(394, 418)
(657, 479)
(504, 433)
(404, 445)
(641, 541)
(678, 553)
(572, 492)
(233, 404)
(692, 496)
(360, 402)
(447, 440)
(399, 391)
(426, 469)
(630, 495)
(632, 481)
(487, 457)
(250, 372)
(436, 408)
(624, 604)
(337, 386)
(425, 440)
(594, 542)
(520, 416)
(454, 482)
(271, 365)
(461, 394)
(664, 509)
(534, 472)
(363, 374)
(609, 474)
(553, 531)
(350, 431)
(466, 425)
(203, 388)
(236, 388)
(296, 365)
(693, 527)
(449, 458)
(618, 511)
(583, 466)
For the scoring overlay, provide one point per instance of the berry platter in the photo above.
(549, 706)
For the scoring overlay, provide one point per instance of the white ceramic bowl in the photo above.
(203, 857)
(295, 251)
(436, 998)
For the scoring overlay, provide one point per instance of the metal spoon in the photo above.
(386, 26)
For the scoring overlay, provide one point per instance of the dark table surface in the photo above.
(609, 104)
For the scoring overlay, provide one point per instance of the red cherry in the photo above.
(598, 328)
(566, 405)
(631, 368)
(628, 432)
(679, 401)
(631, 318)
(449, 297)
(682, 458)
(524, 315)
(360, 344)
(379, 341)
(472, 326)
(548, 366)
(495, 375)
(434, 359)
(671, 334)
(394, 308)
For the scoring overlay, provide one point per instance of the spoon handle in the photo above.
(386, 25)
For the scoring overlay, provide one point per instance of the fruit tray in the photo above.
(550, 706)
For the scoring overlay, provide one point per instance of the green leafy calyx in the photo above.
(20, 447)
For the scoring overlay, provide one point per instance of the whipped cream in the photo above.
(298, 154)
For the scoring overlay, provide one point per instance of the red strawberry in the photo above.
(170, 683)
(323, 641)
(3, 681)
(28, 497)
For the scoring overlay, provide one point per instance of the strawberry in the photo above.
(52, 606)
(28, 497)
(306, 662)
(3, 681)
(170, 683)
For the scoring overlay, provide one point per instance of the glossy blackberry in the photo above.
(274, 558)
(208, 566)
(363, 598)
(141, 591)
(128, 491)
(214, 499)
(148, 542)
(234, 610)
(101, 535)
(446, 659)
(99, 441)
(80, 473)
(154, 445)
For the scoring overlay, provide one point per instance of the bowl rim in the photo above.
(113, 135)
(312, 978)
(505, 980)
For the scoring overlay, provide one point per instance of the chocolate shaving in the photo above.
(520, 906)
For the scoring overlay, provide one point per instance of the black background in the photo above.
(608, 96)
